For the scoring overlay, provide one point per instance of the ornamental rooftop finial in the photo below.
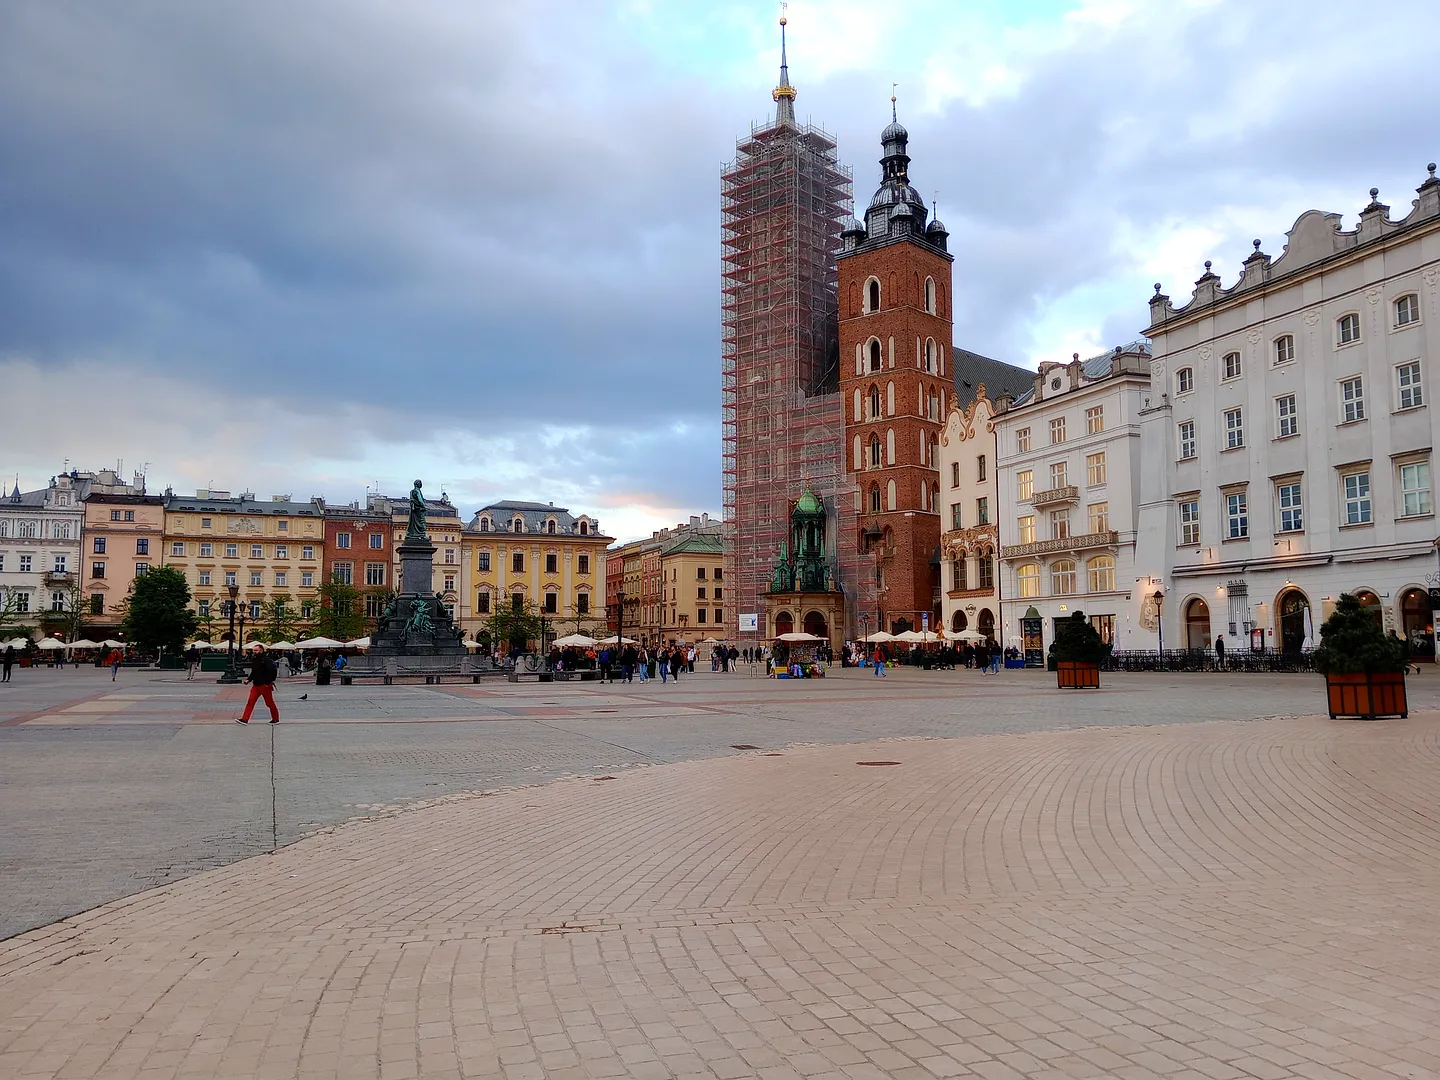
(784, 93)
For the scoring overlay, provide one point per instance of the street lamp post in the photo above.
(231, 674)
(1160, 617)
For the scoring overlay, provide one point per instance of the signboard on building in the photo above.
(749, 623)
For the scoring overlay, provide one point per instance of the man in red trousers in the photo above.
(262, 685)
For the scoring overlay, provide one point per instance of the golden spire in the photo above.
(784, 94)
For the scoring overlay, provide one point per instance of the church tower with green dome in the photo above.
(803, 594)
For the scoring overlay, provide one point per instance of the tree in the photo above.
(279, 619)
(1078, 641)
(515, 626)
(67, 622)
(13, 618)
(1351, 643)
(339, 615)
(159, 615)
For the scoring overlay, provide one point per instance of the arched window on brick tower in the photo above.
(875, 498)
(874, 450)
(874, 295)
(874, 345)
(874, 403)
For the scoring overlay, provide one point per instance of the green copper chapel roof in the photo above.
(808, 503)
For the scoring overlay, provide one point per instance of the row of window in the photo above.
(252, 609)
(867, 407)
(1096, 473)
(21, 599)
(981, 472)
(872, 299)
(343, 573)
(26, 563)
(377, 540)
(517, 525)
(1097, 520)
(982, 513)
(1094, 425)
(207, 549)
(984, 576)
(205, 522)
(549, 606)
(1064, 577)
(928, 357)
(517, 562)
(1282, 350)
(1409, 395)
(30, 530)
(1356, 506)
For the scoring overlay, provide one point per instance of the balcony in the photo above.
(56, 579)
(1069, 543)
(1055, 495)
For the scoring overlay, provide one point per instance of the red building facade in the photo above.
(358, 552)
(895, 334)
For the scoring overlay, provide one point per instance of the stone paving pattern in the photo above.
(1203, 899)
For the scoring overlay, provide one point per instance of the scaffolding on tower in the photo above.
(784, 201)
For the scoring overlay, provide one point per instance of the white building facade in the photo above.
(1288, 442)
(970, 537)
(40, 550)
(1068, 484)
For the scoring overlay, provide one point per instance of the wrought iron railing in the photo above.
(1269, 661)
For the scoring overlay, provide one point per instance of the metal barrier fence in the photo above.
(1268, 661)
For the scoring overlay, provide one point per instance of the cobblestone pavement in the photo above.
(1204, 900)
(109, 788)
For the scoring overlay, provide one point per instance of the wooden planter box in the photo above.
(1075, 675)
(1367, 695)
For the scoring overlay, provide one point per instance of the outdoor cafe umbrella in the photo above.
(708, 641)
(973, 636)
(357, 643)
(111, 643)
(319, 643)
(615, 641)
(879, 636)
(798, 636)
(283, 646)
(574, 641)
(916, 637)
(50, 643)
(1309, 642)
(15, 643)
(83, 643)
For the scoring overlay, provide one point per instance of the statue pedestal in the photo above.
(417, 558)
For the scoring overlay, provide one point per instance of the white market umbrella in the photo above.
(972, 636)
(471, 643)
(357, 643)
(616, 641)
(15, 643)
(281, 646)
(111, 643)
(319, 643)
(50, 643)
(799, 636)
(709, 641)
(83, 643)
(879, 636)
(917, 637)
(1309, 642)
(574, 641)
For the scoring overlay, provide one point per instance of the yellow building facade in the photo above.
(271, 550)
(523, 553)
(693, 586)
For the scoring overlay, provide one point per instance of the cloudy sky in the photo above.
(318, 246)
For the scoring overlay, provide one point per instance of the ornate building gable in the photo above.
(1315, 238)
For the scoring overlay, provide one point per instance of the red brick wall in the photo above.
(359, 552)
(913, 527)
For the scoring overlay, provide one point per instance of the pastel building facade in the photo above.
(1288, 444)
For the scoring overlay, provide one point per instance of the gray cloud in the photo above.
(499, 223)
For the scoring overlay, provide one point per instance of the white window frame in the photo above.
(1184, 381)
(1057, 430)
(1025, 529)
(1347, 324)
(1022, 440)
(1097, 516)
(1423, 501)
(1025, 484)
(1231, 366)
(1356, 501)
(1188, 445)
(1189, 519)
(1287, 420)
(1352, 399)
(1095, 469)
(1237, 515)
(1059, 586)
(1283, 349)
(1407, 310)
(1059, 474)
(1095, 420)
(1409, 385)
(1234, 428)
(1289, 507)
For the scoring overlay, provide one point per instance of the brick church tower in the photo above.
(895, 340)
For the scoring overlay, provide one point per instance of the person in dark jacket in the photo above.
(262, 685)
(8, 662)
(192, 662)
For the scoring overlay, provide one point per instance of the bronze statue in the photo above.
(415, 527)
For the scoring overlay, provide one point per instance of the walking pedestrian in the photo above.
(664, 658)
(7, 662)
(880, 672)
(1220, 652)
(262, 685)
(677, 664)
(607, 673)
(114, 659)
(644, 661)
(192, 662)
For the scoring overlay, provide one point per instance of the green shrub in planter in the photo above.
(1079, 642)
(1351, 643)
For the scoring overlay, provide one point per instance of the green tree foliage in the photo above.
(1079, 642)
(159, 615)
(509, 626)
(13, 622)
(279, 619)
(1351, 643)
(69, 623)
(339, 614)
